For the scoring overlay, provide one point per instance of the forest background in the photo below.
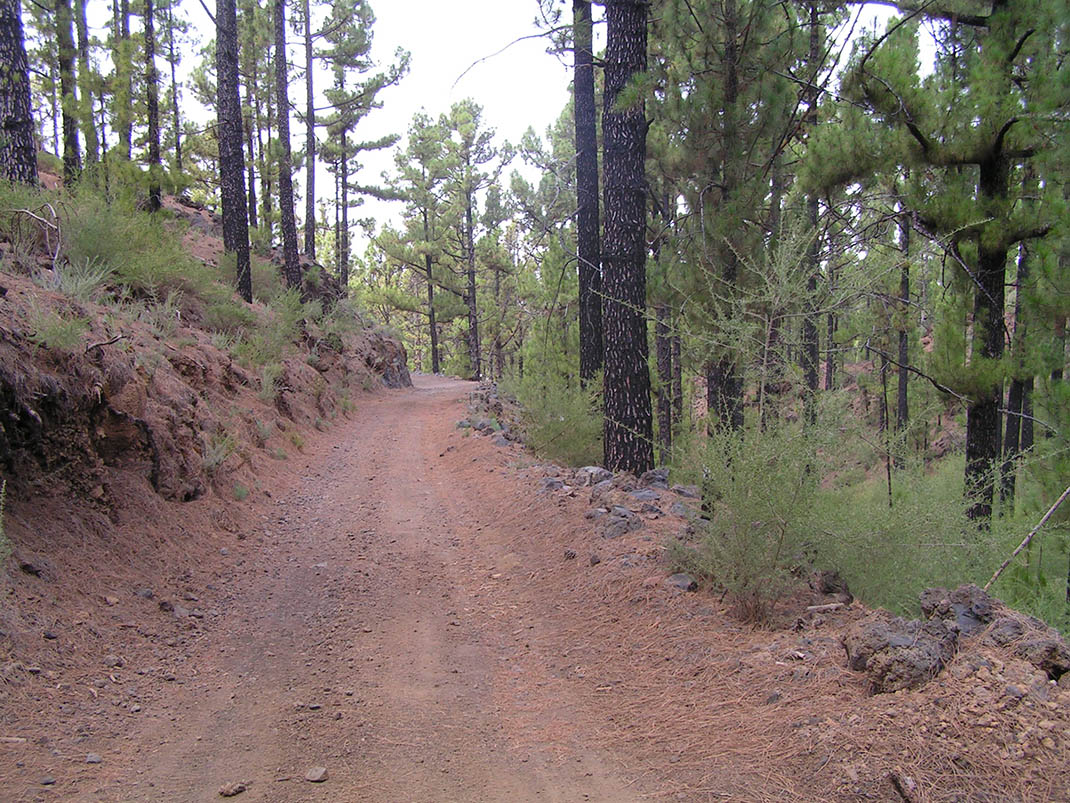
(816, 265)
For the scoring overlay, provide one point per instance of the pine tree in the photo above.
(587, 216)
(291, 267)
(18, 154)
(628, 426)
(989, 109)
(231, 160)
(152, 105)
(72, 157)
(469, 151)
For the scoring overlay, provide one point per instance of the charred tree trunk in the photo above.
(902, 411)
(628, 424)
(152, 104)
(18, 153)
(85, 87)
(124, 76)
(310, 142)
(291, 268)
(343, 250)
(72, 157)
(982, 413)
(176, 119)
(1016, 395)
(810, 345)
(474, 356)
(663, 352)
(231, 161)
(587, 212)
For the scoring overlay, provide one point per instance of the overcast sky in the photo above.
(520, 87)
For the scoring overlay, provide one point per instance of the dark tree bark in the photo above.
(724, 379)
(125, 117)
(902, 411)
(85, 87)
(343, 248)
(253, 121)
(677, 385)
(173, 61)
(432, 325)
(291, 267)
(628, 424)
(231, 160)
(72, 157)
(474, 356)
(810, 344)
(310, 142)
(1016, 395)
(663, 354)
(982, 413)
(152, 103)
(590, 272)
(18, 153)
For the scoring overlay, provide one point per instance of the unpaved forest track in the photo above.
(367, 633)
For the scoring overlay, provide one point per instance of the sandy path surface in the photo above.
(369, 633)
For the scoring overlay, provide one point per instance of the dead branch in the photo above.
(1028, 538)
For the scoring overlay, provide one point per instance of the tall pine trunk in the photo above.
(85, 88)
(172, 57)
(628, 424)
(291, 267)
(18, 153)
(983, 416)
(590, 276)
(343, 250)
(124, 97)
(310, 142)
(902, 411)
(231, 161)
(810, 344)
(152, 103)
(663, 357)
(72, 157)
(723, 377)
(474, 356)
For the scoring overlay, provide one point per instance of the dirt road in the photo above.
(373, 633)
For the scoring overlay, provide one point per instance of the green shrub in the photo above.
(141, 251)
(229, 317)
(240, 491)
(270, 376)
(759, 489)
(218, 447)
(82, 282)
(563, 422)
(53, 330)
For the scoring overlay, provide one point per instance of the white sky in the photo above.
(521, 87)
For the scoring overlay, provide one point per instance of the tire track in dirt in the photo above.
(361, 639)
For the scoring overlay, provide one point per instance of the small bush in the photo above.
(82, 282)
(217, 449)
(240, 491)
(298, 440)
(163, 317)
(270, 377)
(228, 317)
(52, 330)
(563, 422)
(759, 488)
(279, 453)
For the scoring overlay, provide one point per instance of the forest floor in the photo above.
(410, 611)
